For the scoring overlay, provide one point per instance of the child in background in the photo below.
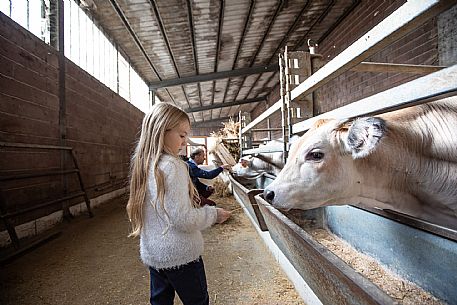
(164, 211)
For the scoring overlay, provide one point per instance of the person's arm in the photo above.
(200, 186)
(196, 171)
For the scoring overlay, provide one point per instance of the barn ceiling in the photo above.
(214, 58)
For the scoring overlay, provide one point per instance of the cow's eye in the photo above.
(315, 156)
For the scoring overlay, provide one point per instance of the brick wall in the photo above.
(417, 47)
(100, 125)
(275, 118)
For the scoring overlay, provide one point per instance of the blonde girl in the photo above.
(163, 209)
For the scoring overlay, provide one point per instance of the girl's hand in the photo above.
(222, 215)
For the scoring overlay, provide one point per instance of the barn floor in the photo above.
(93, 262)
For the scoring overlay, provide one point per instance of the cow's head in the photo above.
(320, 167)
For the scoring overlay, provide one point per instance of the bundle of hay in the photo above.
(230, 130)
(221, 188)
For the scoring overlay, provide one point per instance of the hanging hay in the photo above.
(221, 188)
(230, 130)
(227, 148)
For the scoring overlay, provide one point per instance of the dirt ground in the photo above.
(93, 262)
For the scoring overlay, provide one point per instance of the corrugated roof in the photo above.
(180, 40)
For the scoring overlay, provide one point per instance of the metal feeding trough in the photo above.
(331, 279)
(246, 197)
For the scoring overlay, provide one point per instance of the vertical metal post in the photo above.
(54, 32)
(9, 227)
(268, 122)
(28, 15)
(289, 79)
(240, 135)
(312, 50)
(152, 96)
(117, 70)
(130, 86)
(282, 81)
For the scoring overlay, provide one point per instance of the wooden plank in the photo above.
(405, 19)
(425, 89)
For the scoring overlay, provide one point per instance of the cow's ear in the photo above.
(364, 135)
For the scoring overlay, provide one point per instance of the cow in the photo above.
(271, 162)
(405, 160)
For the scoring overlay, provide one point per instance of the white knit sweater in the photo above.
(164, 245)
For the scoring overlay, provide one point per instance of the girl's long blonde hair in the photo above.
(150, 147)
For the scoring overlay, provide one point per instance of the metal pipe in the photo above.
(283, 81)
(265, 129)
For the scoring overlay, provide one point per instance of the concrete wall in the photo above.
(100, 126)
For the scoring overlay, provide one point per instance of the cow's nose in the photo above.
(268, 195)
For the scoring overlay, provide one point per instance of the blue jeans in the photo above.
(189, 282)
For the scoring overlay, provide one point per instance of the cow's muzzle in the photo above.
(268, 195)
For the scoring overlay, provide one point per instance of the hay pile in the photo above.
(221, 188)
